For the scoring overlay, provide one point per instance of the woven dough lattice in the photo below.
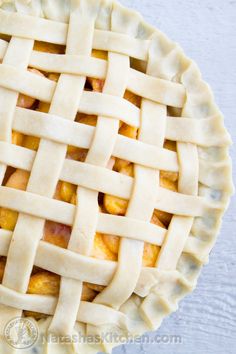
(135, 298)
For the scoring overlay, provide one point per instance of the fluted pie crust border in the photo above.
(136, 299)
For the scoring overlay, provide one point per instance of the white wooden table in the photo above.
(206, 320)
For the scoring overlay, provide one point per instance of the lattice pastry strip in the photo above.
(130, 262)
(183, 129)
(17, 54)
(61, 324)
(179, 228)
(102, 150)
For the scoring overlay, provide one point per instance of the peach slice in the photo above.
(57, 234)
(100, 249)
(26, 101)
(48, 47)
(17, 180)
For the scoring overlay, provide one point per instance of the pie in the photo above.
(114, 171)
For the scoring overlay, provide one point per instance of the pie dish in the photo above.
(114, 170)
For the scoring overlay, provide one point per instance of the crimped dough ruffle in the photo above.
(202, 161)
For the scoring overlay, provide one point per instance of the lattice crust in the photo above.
(135, 298)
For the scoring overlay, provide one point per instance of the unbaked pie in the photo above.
(114, 171)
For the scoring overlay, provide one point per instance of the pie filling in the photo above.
(105, 247)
